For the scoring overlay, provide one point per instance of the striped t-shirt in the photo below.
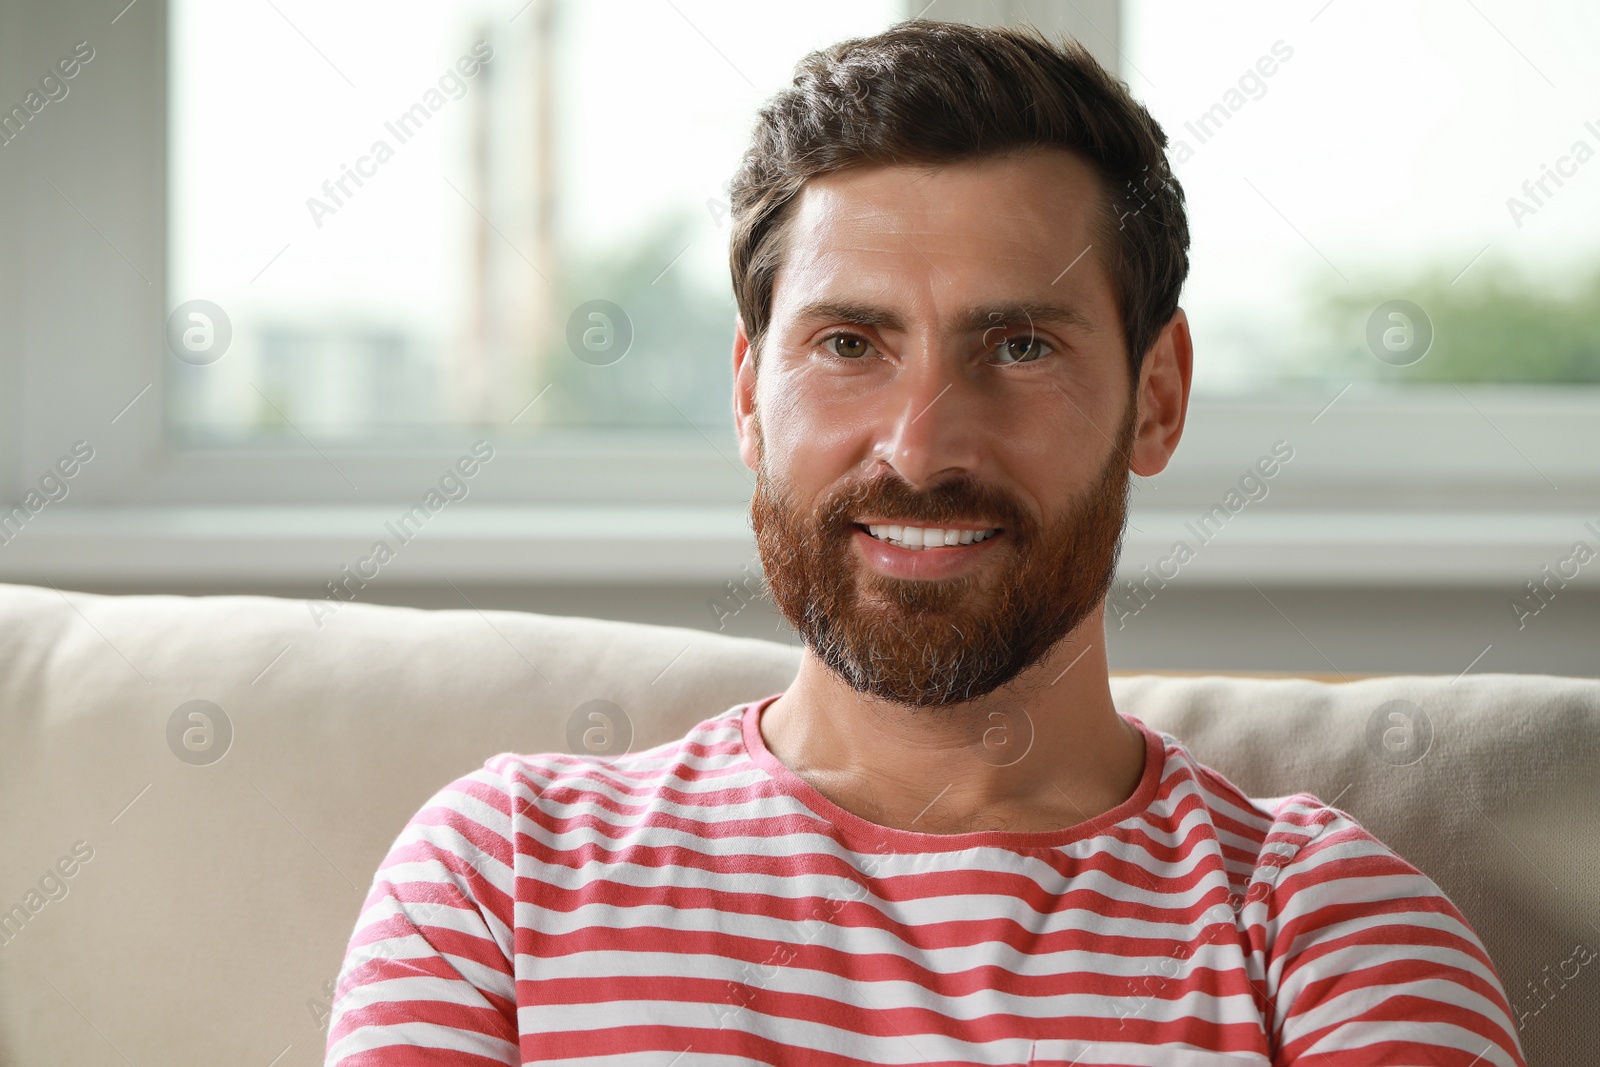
(699, 903)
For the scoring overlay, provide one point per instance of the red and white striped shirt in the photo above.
(699, 903)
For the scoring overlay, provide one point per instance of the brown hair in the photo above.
(933, 92)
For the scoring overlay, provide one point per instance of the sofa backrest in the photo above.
(209, 899)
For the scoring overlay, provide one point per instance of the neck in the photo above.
(1044, 752)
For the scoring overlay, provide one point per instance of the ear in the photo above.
(744, 396)
(1163, 397)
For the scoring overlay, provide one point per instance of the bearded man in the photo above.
(957, 258)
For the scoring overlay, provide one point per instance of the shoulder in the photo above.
(470, 830)
(1298, 860)
(1189, 790)
(1278, 843)
(1327, 873)
(555, 780)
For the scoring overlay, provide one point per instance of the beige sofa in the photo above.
(181, 909)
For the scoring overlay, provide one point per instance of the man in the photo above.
(957, 257)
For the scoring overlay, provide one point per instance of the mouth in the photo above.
(921, 538)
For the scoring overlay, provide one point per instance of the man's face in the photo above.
(944, 351)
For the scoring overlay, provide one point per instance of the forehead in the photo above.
(976, 226)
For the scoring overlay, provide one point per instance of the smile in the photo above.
(924, 537)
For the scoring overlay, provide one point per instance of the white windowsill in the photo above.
(512, 545)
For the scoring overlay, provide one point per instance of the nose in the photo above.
(933, 417)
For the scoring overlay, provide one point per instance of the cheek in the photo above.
(1058, 454)
(1069, 436)
(804, 427)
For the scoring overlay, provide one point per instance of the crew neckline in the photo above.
(876, 837)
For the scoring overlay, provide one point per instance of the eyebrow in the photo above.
(972, 319)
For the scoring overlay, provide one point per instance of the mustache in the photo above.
(962, 499)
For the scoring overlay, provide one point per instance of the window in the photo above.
(375, 328)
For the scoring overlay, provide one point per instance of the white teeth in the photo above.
(919, 537)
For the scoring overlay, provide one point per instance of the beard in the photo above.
(935, 643)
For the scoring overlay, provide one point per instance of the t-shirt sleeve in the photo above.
(1369, 963)
(427, 976)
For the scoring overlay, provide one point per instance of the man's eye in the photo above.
(1021, 350)
(846, 345)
